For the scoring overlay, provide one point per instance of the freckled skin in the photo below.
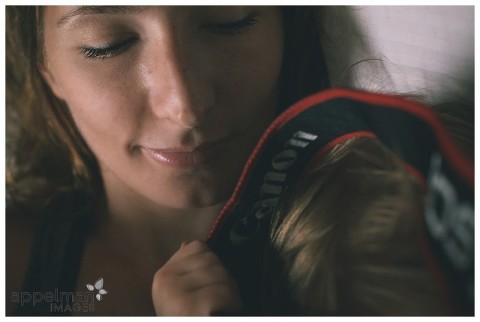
(178, 84)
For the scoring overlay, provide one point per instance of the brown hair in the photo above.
(347, 241)
(304, 68)
(46, 155)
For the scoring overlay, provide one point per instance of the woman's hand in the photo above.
(194, 281)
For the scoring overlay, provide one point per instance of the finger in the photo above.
(213, 297)
(169, 280)
(216, 274)
(197, 261)
(214, 300)
(191, 259)
(188, 249)
(185, 283)
(218, 299)
(177, 278)
(193, 247)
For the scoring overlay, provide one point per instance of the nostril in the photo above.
(193, 118)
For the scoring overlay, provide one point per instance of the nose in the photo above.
(178, 82)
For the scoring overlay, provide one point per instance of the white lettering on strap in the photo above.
(449, 220)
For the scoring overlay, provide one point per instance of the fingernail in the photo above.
(185, 243)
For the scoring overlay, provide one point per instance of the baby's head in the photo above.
(350, 243)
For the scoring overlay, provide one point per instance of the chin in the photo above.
(196, 200)
(203, 191)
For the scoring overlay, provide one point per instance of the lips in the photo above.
(185, 158)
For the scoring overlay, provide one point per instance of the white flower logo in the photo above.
(98, 286)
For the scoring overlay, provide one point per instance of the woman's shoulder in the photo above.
(20, 232)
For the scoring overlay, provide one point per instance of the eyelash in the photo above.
(228, 29)
(109, 50)
(233, 28)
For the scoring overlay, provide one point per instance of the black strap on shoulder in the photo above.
(50, 282)
(312, 127)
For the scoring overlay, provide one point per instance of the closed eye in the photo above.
(110, 50)
(233, 28)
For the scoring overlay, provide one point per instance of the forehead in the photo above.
(66, 13)
(63, 15)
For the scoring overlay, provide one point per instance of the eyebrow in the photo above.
(95, 10)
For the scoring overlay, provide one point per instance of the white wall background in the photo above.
(423, 49)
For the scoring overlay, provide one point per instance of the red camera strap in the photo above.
(312, 127)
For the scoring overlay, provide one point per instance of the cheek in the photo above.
(102, 107)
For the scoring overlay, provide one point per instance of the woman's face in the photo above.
(171, 100)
